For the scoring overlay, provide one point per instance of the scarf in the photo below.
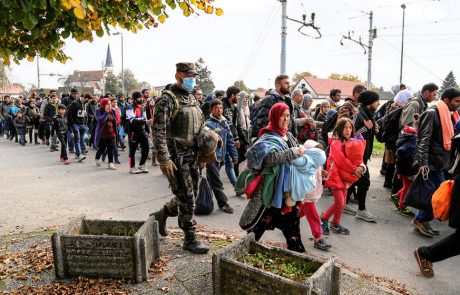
(243, 110)
(446, 124)
(274, 115)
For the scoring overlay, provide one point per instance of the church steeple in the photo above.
(108, 59)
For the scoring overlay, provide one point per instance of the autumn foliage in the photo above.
(38, 27)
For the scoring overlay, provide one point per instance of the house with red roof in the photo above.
(13, 90)
(320, 88)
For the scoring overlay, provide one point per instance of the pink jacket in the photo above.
(337, 157)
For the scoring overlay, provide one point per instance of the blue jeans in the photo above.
(22, 139)
(69, 140)
(436, 177)
(78, 135)
(229, 169)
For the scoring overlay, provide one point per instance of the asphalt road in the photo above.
(36, 190)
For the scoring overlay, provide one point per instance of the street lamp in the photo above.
(122, 68)
(403, 6)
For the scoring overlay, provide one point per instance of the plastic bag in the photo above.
(204, 203)
(441, 200)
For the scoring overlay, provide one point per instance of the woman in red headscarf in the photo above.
(271, 154)
(106, 131)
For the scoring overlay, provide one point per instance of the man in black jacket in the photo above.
(279, 94)
(433, 152)
(76, 121)
(369, 101)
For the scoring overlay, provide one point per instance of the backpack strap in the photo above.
(175, 102)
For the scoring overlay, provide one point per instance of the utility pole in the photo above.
(283, 36)
(367, 48)
(369, 56)
(403, 6)
(38, 72)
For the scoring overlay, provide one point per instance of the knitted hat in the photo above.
(368, 97)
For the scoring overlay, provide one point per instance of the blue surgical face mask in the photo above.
(189, 83)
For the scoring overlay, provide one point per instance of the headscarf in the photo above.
(274, 115)
(103, 103)
(243, 110)
(403, 97)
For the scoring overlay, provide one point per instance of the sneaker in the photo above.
(432, 230)
(405, 212)
(81, 158)
(322, 245)
(227, 209)
(421, 228)
(134, 170)
(143, 169)
(66, 162)
(325, 227)
(98, 162)
(111, 167)
(348, 209)
(366, 215)
(337, 228)
(426, 267)
(395, 200)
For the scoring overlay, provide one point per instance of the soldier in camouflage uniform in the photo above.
(178, 121)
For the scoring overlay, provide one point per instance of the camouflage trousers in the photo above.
(184, 186)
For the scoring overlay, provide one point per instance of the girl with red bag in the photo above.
(337, 182)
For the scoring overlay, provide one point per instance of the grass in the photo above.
(379, 149)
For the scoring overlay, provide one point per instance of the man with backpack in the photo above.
(279, 94)
(435, 132)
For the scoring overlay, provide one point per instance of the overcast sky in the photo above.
(245, 44)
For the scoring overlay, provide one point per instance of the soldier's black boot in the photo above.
(161, 217)
(192, 244)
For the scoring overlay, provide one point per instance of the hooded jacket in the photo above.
(221, 127)
(335, 162)
(76, 113)
(264, 108)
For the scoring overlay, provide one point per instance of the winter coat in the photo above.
(365, 114)
(335, 162)
(49, 112)
(264, 108)
(59, 124)
(430, 145)
(33, 116)
(90, 112)
(137, 123)
(20, 125)
(416, 105)
(101, 117)
(233, 118)
(222, 128)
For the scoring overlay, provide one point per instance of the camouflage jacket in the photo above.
(163, 113)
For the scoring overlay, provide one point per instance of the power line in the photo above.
(412, 59)
(260, 41)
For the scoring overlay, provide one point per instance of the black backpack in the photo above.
(328, 126)
(390, 128)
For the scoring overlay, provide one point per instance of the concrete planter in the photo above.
(106, 248)
(233, 277)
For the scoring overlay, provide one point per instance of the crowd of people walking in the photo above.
(277, 149)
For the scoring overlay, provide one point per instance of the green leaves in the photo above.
(40, 26)
(29, 22)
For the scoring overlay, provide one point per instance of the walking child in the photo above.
(60, 129)
(337, 161)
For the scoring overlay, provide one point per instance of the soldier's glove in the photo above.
(168, 167)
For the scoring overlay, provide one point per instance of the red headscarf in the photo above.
(273, 117)
(103, 103)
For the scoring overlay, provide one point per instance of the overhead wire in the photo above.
(260, 41)
(412, 59)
